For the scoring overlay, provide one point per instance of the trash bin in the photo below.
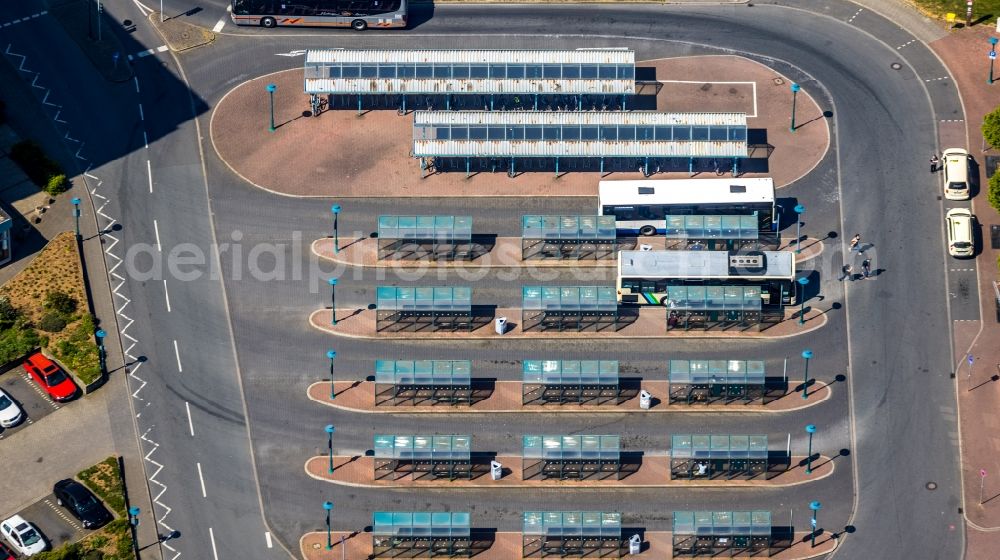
(501, 325)
(634, 544)
(645, 399)
(496, 470)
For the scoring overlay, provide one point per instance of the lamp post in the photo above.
(795, 93)
(76, 215)
(330, 354)
(815, 507)
(328, 506)
(806, 355)
(803, 281)
(333, 299)
(270, 91)
(336, 233)
(810, 429)
(101, 353)
(799, 210)
(992, 55)
(329, 443)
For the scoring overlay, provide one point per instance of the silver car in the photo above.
(10, 414)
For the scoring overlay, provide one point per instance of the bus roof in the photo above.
(705, 264)
(686, 191)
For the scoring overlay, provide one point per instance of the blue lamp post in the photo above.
(795, 93)
(993, 56)
(270, 91)
(328, 506)
(333, 300)
(799, 210)
(330, 354)
(806, 355)
(815, 507)
(810, 429)
(133, 516)
(803, 281)
(76, 215)
(329, 443)
(101, 353)
(336, 234)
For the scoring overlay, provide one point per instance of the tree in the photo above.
(991, 128)
(994, 193)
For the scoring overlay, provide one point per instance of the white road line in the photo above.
(211, 537)
(149, 172)
(161, 48)
(178, 354)
(202, 480)
(142, 116)
(267, 537)
(142, 8)
(219, 25)
(166, 294)
(156, 230)
(136, 79)
(145, 139)
(187, 406)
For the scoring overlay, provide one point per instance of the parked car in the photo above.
(24, 537)
(6, 553)
(956, 174)
(10, 414)
(53, 380)
(80, 502)
(960, 242)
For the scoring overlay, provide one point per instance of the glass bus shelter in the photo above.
(712, 308)
(571, 308)
(426, 237)
(571, 238)
(571, 381)
(573, 534)
(727, 533)
(428, 309)
(420, 457)
(714, 381)
(579, 456)
(717, 233)
(424, 382)
(698, 456)
(412, 534)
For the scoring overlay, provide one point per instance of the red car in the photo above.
(53, 380)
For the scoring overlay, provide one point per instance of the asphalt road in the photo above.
(891, 338)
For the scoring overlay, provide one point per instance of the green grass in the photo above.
(105, 480)
(938, 8)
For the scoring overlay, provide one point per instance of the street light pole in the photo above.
(803, 281)
(799, 210)
(992, 55)
(333, 299)
(329, 443)
(328, 506)
(815, 507)
(795, 93)
(76, 215)
(807, 355)
(270, 91)
(810, 429)
(133, 516)
(330, 354)
(336, 233)
(101, 352)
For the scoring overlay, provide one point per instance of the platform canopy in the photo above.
(379, 71)
(586, 134)
(712, 227)
(713, 298)
(441, 373)
(423, 448)
(571, 448)
(570, 372)
(688, 446)
(717, 372)
(572, 523)
(569, 228)
(435, 298)
(722, 523)
(410, 524)
(448, 229)
(569, 298)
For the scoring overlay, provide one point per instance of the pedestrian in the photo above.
(934, 163)
(855, 241)
(866, 268)
(845, 272)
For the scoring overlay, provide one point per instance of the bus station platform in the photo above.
(507, 545)
(342, 154)
(653, 472)
(505, 398)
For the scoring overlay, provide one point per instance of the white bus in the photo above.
(641, 207)
(357, 14)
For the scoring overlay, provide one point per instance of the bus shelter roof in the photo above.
(716, 372)
(700, 446)
(578, 134)
(431, 298)
(721, 523)
(570, 372)
(572, 523)
(578, 447)
(417, 524)
(372, 71)
(426, 448)
(424, 372)
(438, 228)
(569, 298)
(713, 298)
(568, 228)
(712, 227)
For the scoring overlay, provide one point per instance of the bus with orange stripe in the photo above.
(356, 14)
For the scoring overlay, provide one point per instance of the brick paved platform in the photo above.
(508, 545)
(653, 472)
(359, 396)
(345, 155)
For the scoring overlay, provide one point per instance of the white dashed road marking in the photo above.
(267, 537)
(211, 537)
(149, 172)
(202, 480)
(856, 14)
(156, 231)
(166, 294)
(187, 406)
(219, 25)
(177, 353)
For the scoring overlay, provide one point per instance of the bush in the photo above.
(8, 313)
(35, 164)
(17, 341)
(79, 351)
(993, 195)
(991, 128)
(52, 322)
(60, 302)
(57, 184)
(69, 551)
(104, 479)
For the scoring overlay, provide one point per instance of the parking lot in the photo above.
(28, 395)
(55, 523)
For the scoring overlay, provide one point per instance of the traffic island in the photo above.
(334, 545)
(367, 155)
(178, 34)
(505, 398)
(648, 322)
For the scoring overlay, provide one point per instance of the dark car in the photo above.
(6, 553)
(75, 497)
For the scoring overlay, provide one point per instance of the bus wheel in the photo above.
(268, 22)
(359, 25)
(647, 231)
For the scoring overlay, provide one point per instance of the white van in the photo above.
(956, 174)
